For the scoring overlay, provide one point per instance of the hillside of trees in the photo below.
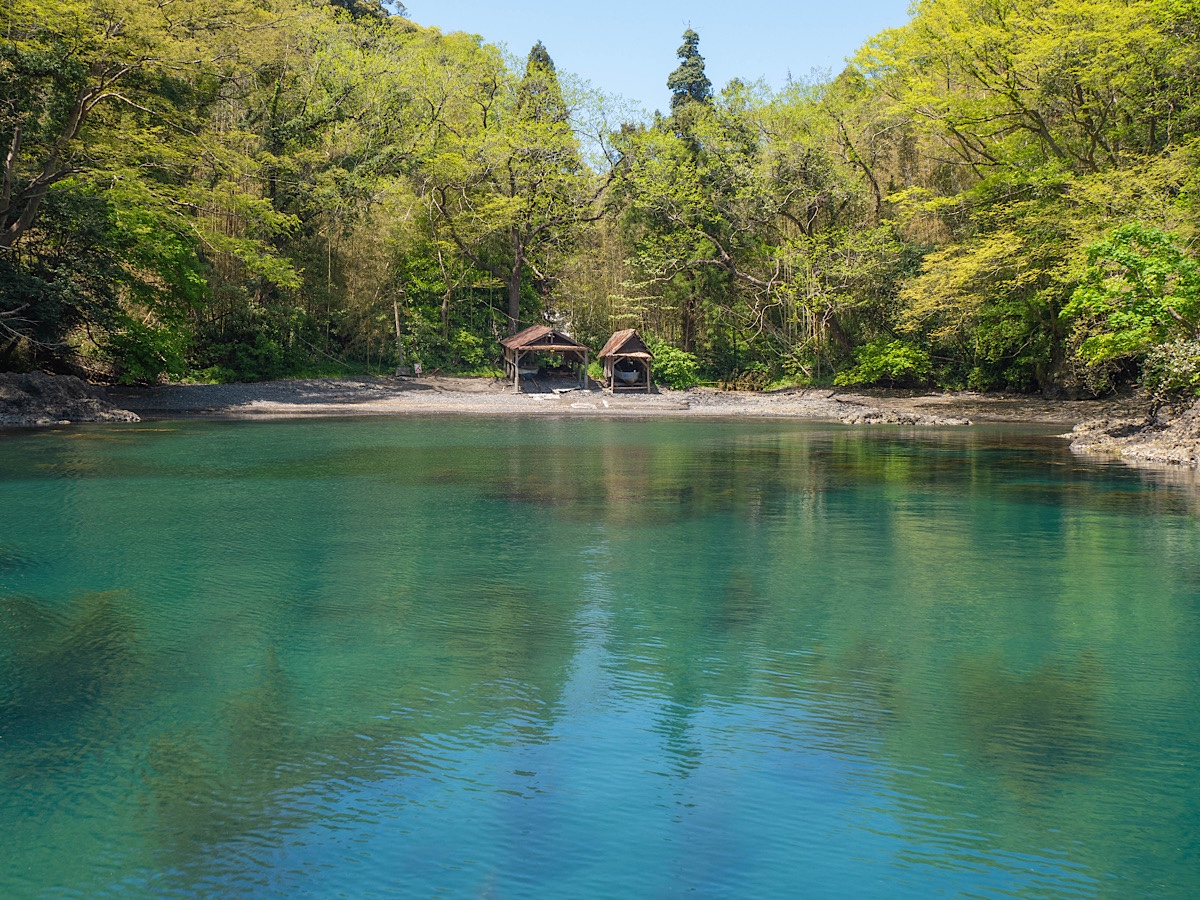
(999, 195)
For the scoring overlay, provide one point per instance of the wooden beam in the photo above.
(399, 343)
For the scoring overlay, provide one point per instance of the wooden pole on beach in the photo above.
(399, 343)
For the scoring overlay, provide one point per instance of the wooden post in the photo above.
(399, 343)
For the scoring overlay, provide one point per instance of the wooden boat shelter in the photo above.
(542, 339)
(626, 361)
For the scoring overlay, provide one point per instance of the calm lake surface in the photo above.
(587, 657)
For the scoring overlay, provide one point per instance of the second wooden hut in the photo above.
(626, 361)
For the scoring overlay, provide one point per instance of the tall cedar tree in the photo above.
(688, 83)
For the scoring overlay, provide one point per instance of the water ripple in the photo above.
(504, 659)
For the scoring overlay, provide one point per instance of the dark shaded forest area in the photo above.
(1002, 194)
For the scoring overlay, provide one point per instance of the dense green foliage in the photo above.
(997, 195)
(887, 362)
(674, 367)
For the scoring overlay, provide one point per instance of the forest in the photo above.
(998, 195)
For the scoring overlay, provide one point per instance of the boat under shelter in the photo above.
(626, 360)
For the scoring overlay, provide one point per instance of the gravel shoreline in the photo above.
(1121, 427)
(488, 396)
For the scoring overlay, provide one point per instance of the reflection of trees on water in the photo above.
(378, 689)
(630, 484)
(891, 647)
(67, 675)
(1038, 727)
(315, 714)
(861, 595)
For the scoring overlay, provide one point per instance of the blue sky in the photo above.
(627, 47)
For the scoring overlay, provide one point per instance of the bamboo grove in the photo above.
(1001, 194)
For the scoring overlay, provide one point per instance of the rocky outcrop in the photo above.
(40, 399)
(890, 417)
(1170, 436)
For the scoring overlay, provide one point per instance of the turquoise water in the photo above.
(582, 657)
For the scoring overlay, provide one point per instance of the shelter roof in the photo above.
(626, 343)
(541, 337)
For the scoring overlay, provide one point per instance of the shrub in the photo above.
(143, 352)
(755, 378)
(676, 368)
(1141, 289)
(468, 349)
(251, 345)
(893, 362)
(1172, 370)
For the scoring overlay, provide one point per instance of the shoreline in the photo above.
(1115, 427)
(364, 396)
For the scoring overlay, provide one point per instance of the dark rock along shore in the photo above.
(1172, 435)
(40, 399)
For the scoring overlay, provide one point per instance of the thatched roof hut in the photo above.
(626, 361)
(524, 345)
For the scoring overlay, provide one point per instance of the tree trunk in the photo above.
(835, 330)
(687, 325)
(399, 341)
(8, 353)
(514, 293)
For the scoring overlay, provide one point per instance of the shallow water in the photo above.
(587, 657)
